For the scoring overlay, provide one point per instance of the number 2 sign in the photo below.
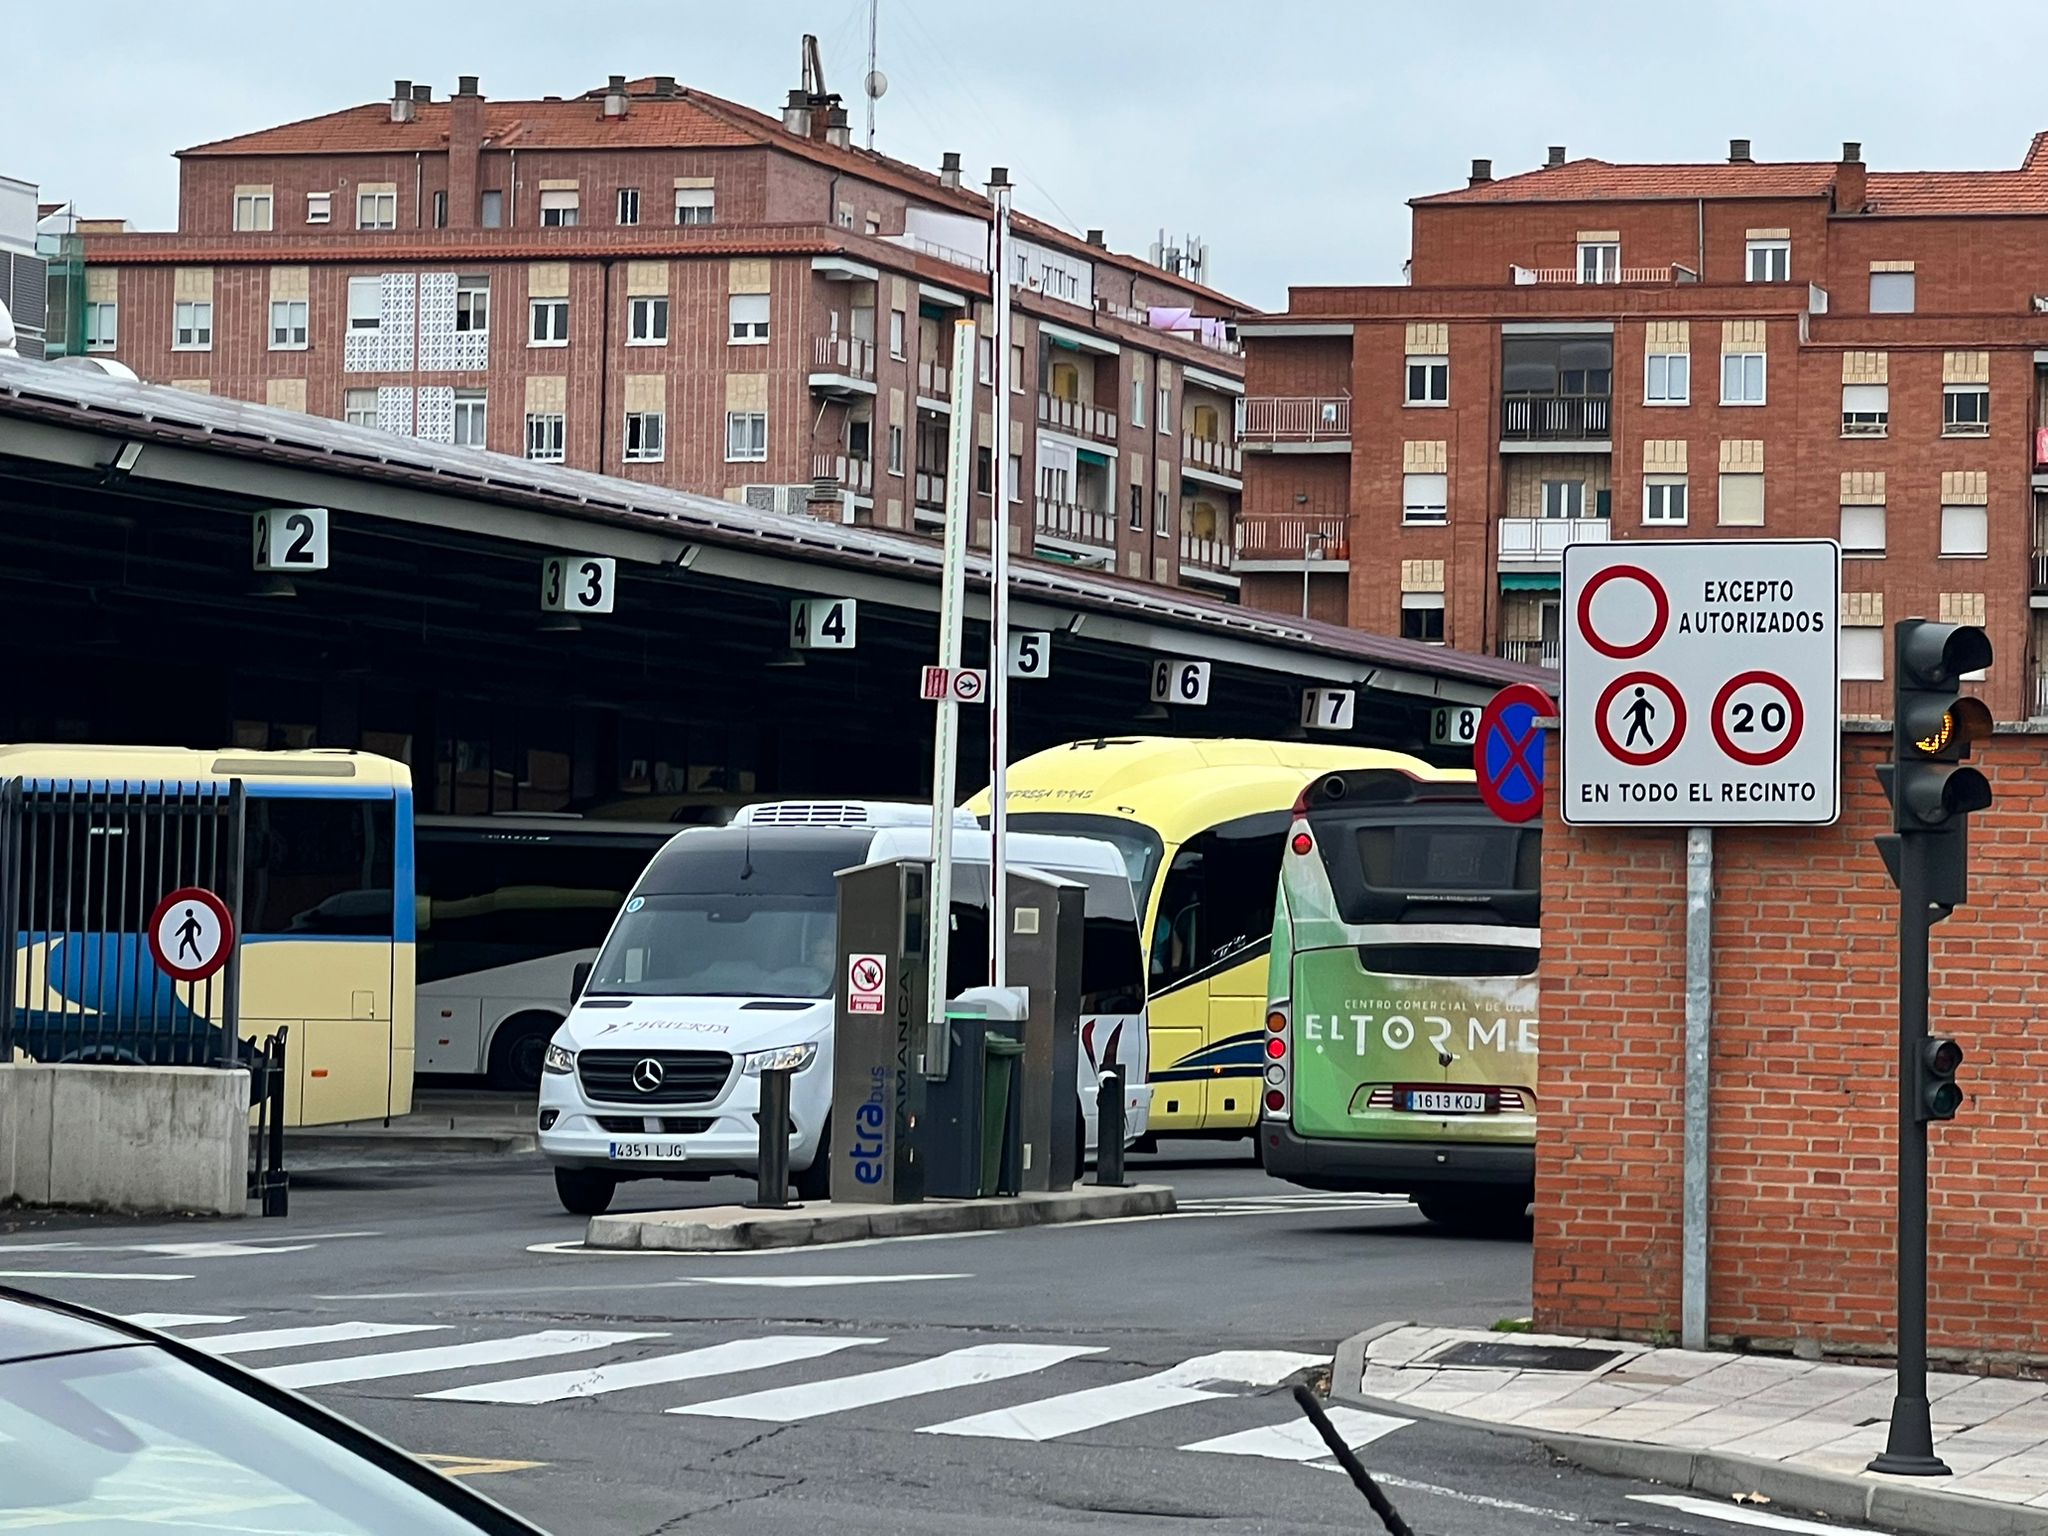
(577, 584)
(291, 539)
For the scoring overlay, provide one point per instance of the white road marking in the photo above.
(1483, 1500)
(1296, 1439)
(447, 1357)
(220, 1248)
(811, 1282)
(1049, 1418)
(293, 1338)
(1741, 1514)
(713, 1360)
(178, 1319)
(973, 1366)
(790, 1281)
(80, 1274)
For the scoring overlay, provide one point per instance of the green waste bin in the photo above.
(999, 1068)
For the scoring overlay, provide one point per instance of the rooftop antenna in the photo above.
(876, 83)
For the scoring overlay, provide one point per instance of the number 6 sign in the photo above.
(1180, 682)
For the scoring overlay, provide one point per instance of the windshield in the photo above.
(125, 1440)
(1139, 844)
(760, 944)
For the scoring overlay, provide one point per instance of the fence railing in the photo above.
(845, 354)
(930, 489)
(1535, 653)
(1209, 554)
(1527, 275)
(934, 380)
(1545, 538)
(1074, 416)
(1210, 454)
(1295, 418)
(1292, 536)
(1554, 418)
(856, 475)
(1072, 520)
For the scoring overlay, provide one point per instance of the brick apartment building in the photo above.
(664, 285)
(1601, 351)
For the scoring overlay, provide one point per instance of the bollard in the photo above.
(772, 1190)
(276, 1182)
(1109, 1131)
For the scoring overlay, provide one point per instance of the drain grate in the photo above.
(1524, 1357)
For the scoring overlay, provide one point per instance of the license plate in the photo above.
(1441, 1101)
(649, 1151)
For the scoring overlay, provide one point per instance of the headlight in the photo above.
(791, 1057)
(559, 1058)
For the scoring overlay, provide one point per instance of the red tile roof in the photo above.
(1597, 181)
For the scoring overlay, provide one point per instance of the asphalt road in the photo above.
(1122, 1376)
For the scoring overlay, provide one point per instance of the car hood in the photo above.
(734, 1024)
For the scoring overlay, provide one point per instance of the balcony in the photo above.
(1206, 456)
(1533, 653)
(935, 386)
(1542, 540)
(1076, 417)
(1081, 524)
(2040, 544)
(930, 488)
(855, 475)
(1523, 277)
(1293, 537)
(843, 365)
(1283, 421)
(1555, 418)
(1205, 554)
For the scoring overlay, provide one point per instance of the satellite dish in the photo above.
(877, 84)
(105, 365)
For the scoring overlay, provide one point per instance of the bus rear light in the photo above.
(1276, 1021)
(1275, 1047)
(1303, 843)
(1276, 1074)
(1275, 1101)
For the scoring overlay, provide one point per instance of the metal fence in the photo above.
(83, 866)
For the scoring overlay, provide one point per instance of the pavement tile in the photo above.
(1560, 1416)
(1391, 1382)
(1990, 1397)
(1403, 1345)
(1532, 1391)
(1639, 1420)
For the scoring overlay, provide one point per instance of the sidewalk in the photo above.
(443, 1123)
(1798, 1432)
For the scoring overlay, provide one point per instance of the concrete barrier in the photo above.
(126, 1138)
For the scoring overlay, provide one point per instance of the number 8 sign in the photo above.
(1180, 682)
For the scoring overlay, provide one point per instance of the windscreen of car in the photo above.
(130, 1439)
(757, 943)
(1139, 844)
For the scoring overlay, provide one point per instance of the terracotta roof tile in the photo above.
(1595, 181)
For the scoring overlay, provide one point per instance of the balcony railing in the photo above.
(2041, 548)
(930, 488)
(856, 475)
(2041, 448)
(951, 254)
(1071, 520)
(1534, 653)
(1295, 418)
(1205, 553)
(845, 354)
(1207, 453)
(2040, 696)
(1291, 536)
(934, 380)
(1073, 416)
(1554, 418)
(1523, 276)
(1545, 538)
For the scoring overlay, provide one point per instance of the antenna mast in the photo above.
(873, 7)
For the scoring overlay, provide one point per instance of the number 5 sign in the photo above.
(1180, 682)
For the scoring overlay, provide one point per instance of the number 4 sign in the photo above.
(291, 539)
(821, 624)
(1327, 709)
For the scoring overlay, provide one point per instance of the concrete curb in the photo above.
(405, 1144)
(732, 1228)
(1719, 1474)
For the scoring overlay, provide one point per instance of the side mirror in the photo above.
(578, 980)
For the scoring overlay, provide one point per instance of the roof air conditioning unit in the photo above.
(787, 499)
(842, 813)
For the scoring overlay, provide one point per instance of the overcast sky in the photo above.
(1286, 133)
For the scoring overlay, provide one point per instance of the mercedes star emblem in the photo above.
(647, 1074)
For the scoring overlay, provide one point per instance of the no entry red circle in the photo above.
(1643, 579)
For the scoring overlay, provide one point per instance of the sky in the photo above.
(1287, 134)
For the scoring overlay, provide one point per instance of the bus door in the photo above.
(1179, 997)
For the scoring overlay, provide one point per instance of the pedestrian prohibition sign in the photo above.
(191, 934)
(1701, 683)
(1507, 751)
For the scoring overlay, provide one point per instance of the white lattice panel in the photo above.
(437, 414)
(394, 409)
(395, 334)
(437, 322)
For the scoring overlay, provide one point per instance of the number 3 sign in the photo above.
(577, 584)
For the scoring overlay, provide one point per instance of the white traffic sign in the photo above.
(867, 978)
(1327, 709)
(1180, 682)
(577, 583)
(963, 685)
(1454, 725)
(1701, 683)
(1030, 653)
(821, 624)
(191, 933)
(290, 539)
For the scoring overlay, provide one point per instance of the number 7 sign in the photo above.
(1327, 709)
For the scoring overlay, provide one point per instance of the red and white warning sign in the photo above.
(963, 685)
(1701, 682)
(867, 978)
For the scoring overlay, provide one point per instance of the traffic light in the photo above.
(1939, 1097)
(1935, 725)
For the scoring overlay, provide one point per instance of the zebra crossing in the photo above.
(1289, 1203)
(794, 1377)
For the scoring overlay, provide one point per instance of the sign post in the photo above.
(1701, 689)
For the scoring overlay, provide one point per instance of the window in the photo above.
(985, 359)
(1016, 367)
(1965, 410)
(1138, 400)
(365, 303)
(1862, 652)
(860, 438)
(1599, 262)
(1891, 293)
(102, 326)
(376, 210)
(550, 323)
(984, 472)
(323, 866)
(319, 207)
(359, 407)
(693, 205)
(1742, 500)
(472, 305)
(1862, 532)
(895, 450)
(1866, 409)
(746, 438)
(643, 437)
(252, 211)
(747, 320)
(469, 418)
(1965, 531)
(1422, 617)
(546, 435)
(440, 210)
(647, 321)
(1742, 378)
(1770, 261)
(559, 210)
(871, 225)
(491, 210)
(1667, 378)
(1425, 498)
(1564, 498)
(629, 205)
(895, 333)
(1166, 410)
(1215, 898)
(1016, 477)
(287, 325)
(1664, 499)
(1429, 381)
(1162, 523)
(192, 327)
(1137, 509)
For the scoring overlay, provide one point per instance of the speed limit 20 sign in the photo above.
(1701, 683)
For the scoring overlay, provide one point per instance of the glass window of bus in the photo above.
(1112, 959)
(1216, 898)
(1139, 845)
(496, 899)
(318, 865)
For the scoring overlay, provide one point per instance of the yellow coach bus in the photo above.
(1202, 826)
(327, 921)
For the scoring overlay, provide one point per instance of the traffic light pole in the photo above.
(1909, 1448)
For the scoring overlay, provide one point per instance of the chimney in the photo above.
(1849, 180)
(796, 114)
(949, 169)
(838, 132)
(1482, 172)
(1738, 152)
(465, 85)
(422, 93)
(1095, 239)
(1556, 157)
(465, 148)
(401, 101)
(665, 86)
(615, 97)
